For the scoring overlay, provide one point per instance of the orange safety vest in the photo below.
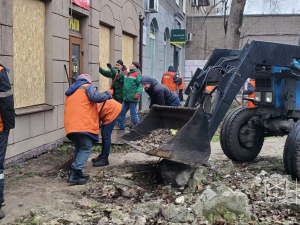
(110, 111)
(1, 121)
(250, 104)
(81, 115)
(181, 86)
(168, 80)
(209, 88)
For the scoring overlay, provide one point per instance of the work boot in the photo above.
(83, 175)
(2, 214)
(98, 158)
(101, 162)
(75, 178)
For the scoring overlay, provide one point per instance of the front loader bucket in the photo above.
(191, 144)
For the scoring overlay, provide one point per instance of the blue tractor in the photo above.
(276, 70)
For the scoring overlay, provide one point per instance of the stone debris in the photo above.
(155, 139)
(220, 193)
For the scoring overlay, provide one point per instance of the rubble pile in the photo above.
(221, 192)
(155, 139)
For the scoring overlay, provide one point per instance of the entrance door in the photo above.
(176, 58)
(75, 58)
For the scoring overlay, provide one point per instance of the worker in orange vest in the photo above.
(171, 79)
(7, 122)
(81, 122)
(250, 92)
(180, 87)
(108, 112)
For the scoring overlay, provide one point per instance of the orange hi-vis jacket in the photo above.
(181, 86)
(110, 111)
(81, 115)
(168, 80)
(252, 95)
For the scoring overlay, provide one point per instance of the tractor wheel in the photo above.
(223, 132)
(239, 142)
(291, 154)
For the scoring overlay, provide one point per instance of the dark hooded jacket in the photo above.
(7, 109)
(160, 94)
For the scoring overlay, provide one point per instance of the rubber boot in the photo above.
(75, 178)
(98, 158)
(102, 162)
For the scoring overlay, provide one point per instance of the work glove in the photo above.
(111, 91)
(136, 96)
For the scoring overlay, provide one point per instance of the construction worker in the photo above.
(250, 92)
(108, 112)
(114, 74)
(82, 122)
(159, 93)
(171, 80)
(131, 93)
(180, 87)
(7, 122)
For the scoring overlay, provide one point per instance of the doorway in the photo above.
(75, 50)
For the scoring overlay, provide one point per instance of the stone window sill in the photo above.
(33, 109)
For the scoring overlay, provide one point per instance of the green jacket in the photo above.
(118, 86)
(132, 85)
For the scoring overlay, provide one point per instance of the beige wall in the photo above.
(42, 129)
(104, 55)
(127, 50)
(29, 52)
(208, 33)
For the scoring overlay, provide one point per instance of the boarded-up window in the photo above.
(104, 55)
(29, 52)
(127, 50)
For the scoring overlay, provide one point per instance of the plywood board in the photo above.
(127, 50)
(104, 55)
(29, 52)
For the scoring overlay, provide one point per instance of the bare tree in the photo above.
(234, 25)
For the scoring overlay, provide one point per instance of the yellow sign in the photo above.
(74, 25)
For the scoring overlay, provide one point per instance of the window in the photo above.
(104, 55)
(177, 2)
(29, 52)
(184, 6)
(152, 50)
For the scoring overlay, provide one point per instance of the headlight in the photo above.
(269, 97)
(257, 97)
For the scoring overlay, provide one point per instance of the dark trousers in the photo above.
(106, 131)
(83, 147)
(180, 94)
(3, 146)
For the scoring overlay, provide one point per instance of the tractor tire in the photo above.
(291, 154)
(231, 142)
(223, 132)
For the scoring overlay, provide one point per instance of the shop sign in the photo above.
(82, 3)
(178, 36)
(74, 25)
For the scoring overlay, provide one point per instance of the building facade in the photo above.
(46, 44)
(158, 51)
(208, 34)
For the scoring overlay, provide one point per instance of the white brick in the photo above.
(193, 68)
(189, 62)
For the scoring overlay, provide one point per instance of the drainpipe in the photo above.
(141, 17)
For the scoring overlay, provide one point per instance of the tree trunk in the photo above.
(235, 22)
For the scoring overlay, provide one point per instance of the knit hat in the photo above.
(136, 64)
(171, 69)
(120, 62)
(85, 76)
(146, 80)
